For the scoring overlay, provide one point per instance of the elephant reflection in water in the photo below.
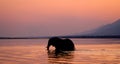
(60, 58)
(60, 45)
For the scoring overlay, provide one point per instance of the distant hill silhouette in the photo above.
(107, 30)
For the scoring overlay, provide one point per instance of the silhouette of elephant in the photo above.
(61, 44)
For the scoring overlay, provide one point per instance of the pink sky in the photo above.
(55, 17)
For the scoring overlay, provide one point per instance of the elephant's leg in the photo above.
(57, 51)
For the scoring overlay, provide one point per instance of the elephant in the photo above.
(61, 44)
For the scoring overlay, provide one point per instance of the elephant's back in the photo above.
(68, 45)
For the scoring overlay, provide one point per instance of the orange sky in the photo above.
(55, 17)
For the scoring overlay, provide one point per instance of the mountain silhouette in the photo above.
(107, 31)
(112, 29)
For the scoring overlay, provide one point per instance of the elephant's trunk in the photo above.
(48, 46)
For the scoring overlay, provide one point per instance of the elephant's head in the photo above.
(53, 41)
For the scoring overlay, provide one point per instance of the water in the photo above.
(33, 51)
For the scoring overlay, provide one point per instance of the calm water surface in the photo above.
(33, 51)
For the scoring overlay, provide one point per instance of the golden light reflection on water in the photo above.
(98, 54)
(84, 54)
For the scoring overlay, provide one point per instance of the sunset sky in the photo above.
(55, 17)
